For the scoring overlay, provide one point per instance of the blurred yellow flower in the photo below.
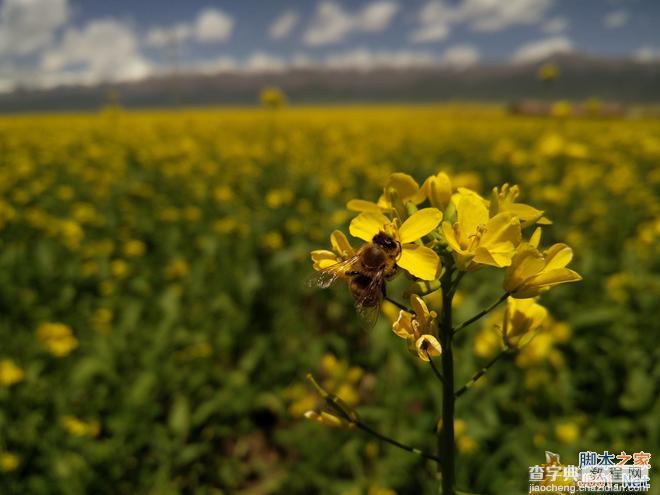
(176, 268)
(522, 319)
(79, 428)
(272, 97)
(58, 338)
(567, 433)
(272, 240)
(328, 419)
(477, 240)
(8, 461)
(134, 248)
(10, 373)
(420, 261)
(548, 72)
(119, 268)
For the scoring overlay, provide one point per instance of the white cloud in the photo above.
(436, 17)
(377, 15)
(555, 25)
(364, 59)
(495, 15)
(282, 26)
(647, 54)
(332, 24)
(29, 25)
(616, 19)
(210, 26)
(103, 50)
(213, 25)
(434, 23)
(264, 62)
(163, 36)
(461, 56)
(220, 64)
(538, 50)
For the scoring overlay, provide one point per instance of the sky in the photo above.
(45, 43)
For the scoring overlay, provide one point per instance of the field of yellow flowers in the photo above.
(156, 326)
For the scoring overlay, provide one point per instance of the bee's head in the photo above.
(386, 242)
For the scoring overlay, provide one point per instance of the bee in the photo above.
(366, 273)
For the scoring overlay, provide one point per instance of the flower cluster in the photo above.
(439, 227)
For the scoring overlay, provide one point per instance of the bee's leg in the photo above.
(383, 288)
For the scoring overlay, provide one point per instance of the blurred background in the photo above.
(166, 167)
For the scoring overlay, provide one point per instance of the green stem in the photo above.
(398, 304)
(435, 369)
(446, 441)
(481, 313)
(479, 374)
(350, 416)
(396, 443)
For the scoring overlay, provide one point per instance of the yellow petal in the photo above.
(418, 305)
(471, 214)
(554, 277)
(450, 236)
(535, 239)
(427, 345)
(527, 214)
(438, 189)
(363, 205)
(419, 224)
(403, 325)
(419, 261)
(366, 225)
(498, 255)
(502, 227)
(558, 256)
(406, 187)
(340, 244)
(319, 254)
(526, 263)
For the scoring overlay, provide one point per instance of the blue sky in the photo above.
(51, 42)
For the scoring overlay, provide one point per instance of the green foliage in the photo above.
(188, 354)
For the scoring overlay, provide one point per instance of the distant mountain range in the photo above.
(581, 77)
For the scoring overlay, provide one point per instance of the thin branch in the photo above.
(480, 373)
(396, 443)
(350, 416)
(435, 369)
(398, 304)
(481, 313)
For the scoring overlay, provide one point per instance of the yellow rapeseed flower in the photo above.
(478, 240)
(57, 338)
(504, 199)
(419, 329)
(10, 373)
(341, 250)
(522, 319)
(420, 261)
(438, 189)
(532, 272)
(9, 461)
(400, 188)
(79, 428)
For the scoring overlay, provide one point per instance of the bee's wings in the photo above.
(328, 276)
(368, 306)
